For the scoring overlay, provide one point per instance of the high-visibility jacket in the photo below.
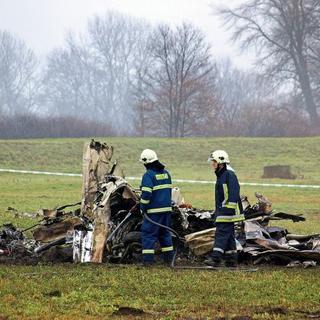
(156, 191)
(227, 193)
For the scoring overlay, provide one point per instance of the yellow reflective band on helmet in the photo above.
(162, 186)
(162, 176)
(235, 218)
(166, 249)
(159, 210)
(146, 189)
(144, 201)
(148, 251)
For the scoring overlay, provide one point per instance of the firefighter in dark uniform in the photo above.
(227, 210)
(156, 203)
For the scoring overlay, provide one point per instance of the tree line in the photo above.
(123, 76)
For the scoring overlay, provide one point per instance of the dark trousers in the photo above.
(225, 243)
(152, 233)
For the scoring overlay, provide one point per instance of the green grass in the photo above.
(186, 158)
(29, 193)
(96, 291)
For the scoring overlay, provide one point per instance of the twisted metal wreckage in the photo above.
(105, 226)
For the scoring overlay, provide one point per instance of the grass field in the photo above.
(95, 292)
(186, 158)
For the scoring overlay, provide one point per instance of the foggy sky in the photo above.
(43, 24)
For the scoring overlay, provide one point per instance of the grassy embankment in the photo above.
(91, 292)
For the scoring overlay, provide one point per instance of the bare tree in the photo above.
(178, 86)
(283, 33)
(115, 41)
(140, 99)
(18, 76)
(71, 81)
(237, 90)
(93, 74)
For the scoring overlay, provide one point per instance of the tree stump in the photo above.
(278, 171)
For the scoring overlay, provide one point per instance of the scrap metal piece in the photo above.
(289, 216)
(82, 244)
(48, 213)
(288, 255)
(201, 242)
(300, 237)
(51, 230)
(253, 230)
(245, 203)
(308, 264)
(273, 244)
(315, 244)
(102, 211)
(264, 205)
(176, 197)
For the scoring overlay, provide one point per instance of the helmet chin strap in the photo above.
(221, 166)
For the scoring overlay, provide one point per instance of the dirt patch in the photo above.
(191, 318)
(128, 311)
(234, 318)
(20, 256)
(309, 314)
(272, 310)
(54, 293)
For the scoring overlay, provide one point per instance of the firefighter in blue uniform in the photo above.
(156, 203)
(227, 211)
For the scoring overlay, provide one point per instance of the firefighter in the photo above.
(156, 204)
(227, 210)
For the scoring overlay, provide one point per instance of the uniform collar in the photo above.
(219, 172)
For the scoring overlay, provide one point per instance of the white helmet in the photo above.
(220, 156)
(148, 156)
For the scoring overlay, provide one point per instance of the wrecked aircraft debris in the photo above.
(257, 242)
(105, 226)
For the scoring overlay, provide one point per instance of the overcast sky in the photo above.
(43, 24)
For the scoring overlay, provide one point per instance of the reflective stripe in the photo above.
(158, 210)
(166, 249)
(235, 218)
(148, 251)
(144, 201)
(162, 176)
(218, 249)
(225, 192)
(146, 189)
(230, 206)
(231, 252)
(162, 186)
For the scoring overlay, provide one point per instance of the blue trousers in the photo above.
(152, 233)
(225, 242)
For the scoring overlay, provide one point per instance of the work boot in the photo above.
(167, 258)
(213, 263)
(231, 261)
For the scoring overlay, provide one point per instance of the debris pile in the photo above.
(68, 236)
(105, 226)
